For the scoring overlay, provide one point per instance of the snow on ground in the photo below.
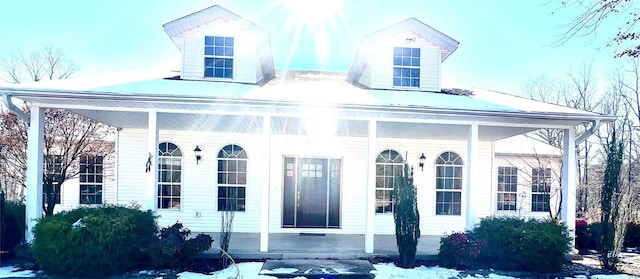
(383, 271)
(10, 272)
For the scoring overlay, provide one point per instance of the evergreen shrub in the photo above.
(530, 245)
(460, 250)
(94, 242)
(12, 227)
(174, 249)
(632, 237)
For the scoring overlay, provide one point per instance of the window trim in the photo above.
(57, 160)
(159, 183)
(219, 159)
(513, 173)
(397, 167)
(224, 57)
(83, 158)
(410, 63)
(460, 167)
(545, 196)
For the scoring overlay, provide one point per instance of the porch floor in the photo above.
(326, 246)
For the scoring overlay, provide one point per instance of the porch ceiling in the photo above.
(298, 125)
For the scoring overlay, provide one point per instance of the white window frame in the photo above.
(173, 156)
(445, 163)
(93, 170)
(232, 181)
(507, 199)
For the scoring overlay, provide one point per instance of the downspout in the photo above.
(595, 125)
(6, 98)
(116, 165)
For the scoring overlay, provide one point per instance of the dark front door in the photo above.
(311, 193)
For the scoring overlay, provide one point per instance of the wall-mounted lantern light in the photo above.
(198, 152)
(421, 163)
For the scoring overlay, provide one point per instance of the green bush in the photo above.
(632, 237)
(174, 249)
(517, 244)
(12, 227)
(94, 242)
(460, 250)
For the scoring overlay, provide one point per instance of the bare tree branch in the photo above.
(47, 63)
(596, 13)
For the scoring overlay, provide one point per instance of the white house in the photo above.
(302, 152)
(527, 178)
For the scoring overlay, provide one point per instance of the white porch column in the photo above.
(266, 174)
(470, 191)
(152, 148)
(568, 210)
(369, 238)
(35, 137)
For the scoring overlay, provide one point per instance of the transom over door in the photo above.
(311, 193)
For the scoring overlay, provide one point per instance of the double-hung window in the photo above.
(540, 189)
(51, 180)
(406, 67)
(91, 179)
(218, 57)
(507, 188)
(232, 178)
(449, 184)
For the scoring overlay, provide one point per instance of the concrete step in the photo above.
(316, 269)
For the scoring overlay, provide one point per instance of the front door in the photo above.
(311, 193)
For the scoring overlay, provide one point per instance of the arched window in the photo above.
(169, 175)
(388, 167)
(448, 184)
(232, 178)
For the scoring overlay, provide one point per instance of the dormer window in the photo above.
(406, 67)
(218, 57)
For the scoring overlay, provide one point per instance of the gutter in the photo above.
(6, 98)
(595, 125)
(248, 103)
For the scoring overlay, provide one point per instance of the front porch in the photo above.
(320, 246)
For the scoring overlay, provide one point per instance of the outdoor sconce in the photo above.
(421, 163)
(198, 152)
(410, 40)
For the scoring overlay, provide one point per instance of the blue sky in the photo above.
(502, 42)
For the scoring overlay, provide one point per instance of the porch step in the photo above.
(318, 269)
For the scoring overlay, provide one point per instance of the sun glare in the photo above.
(313, 17)
(313, 14)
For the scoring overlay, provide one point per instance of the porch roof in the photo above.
(113, 99)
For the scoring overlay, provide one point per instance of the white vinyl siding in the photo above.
(381, 64)
(70, 192)
(352, 151)
(430, 223)
(245, 58)
(525, 164)
(198, 209)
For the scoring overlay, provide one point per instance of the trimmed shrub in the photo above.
(595, 233)
(632, 237)
(583, 238)
(94, 242)
(530, 245)
(460, 250)
(12, 226)
(406, 217)
(174, 249)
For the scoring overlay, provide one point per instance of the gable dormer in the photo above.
(404, 56)
(218, 45)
